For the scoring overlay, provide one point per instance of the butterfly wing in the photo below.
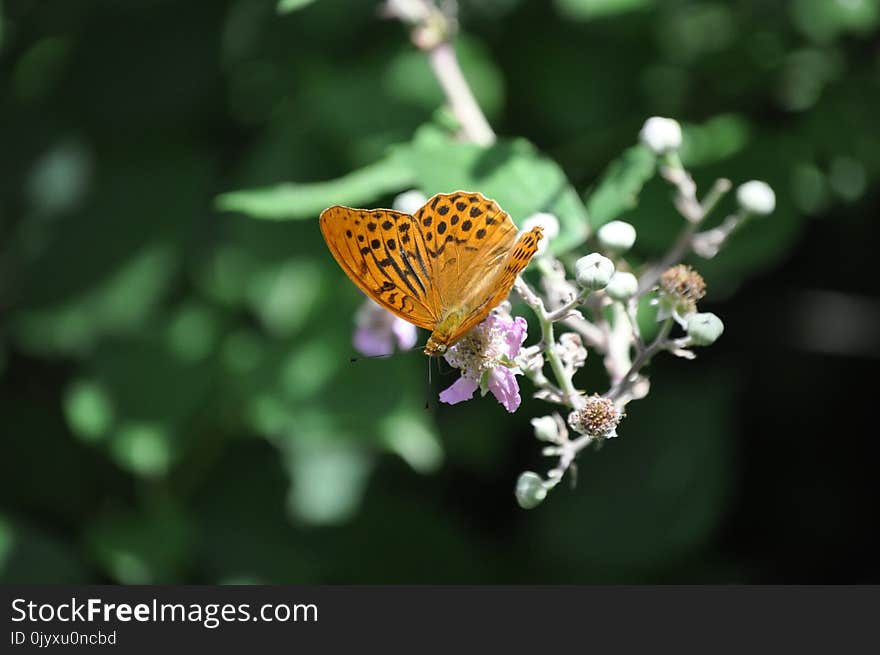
(466, 236)
(475, 256)
(502, 282)
(384, 253)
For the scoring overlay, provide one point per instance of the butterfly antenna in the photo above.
(385, 355)
(354, 360)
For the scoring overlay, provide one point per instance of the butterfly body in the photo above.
(443, 268)
(447, 332)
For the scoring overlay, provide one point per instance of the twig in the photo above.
(431, 33)
(694, 211)
(548, 344)
(464, 106)
(631, 377)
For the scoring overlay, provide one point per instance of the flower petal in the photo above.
(503, 385)
(516, 335)
(405, 333)
(462, 389)
(372, 342)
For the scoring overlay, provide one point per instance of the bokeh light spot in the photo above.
(89, 410)
(143, 448)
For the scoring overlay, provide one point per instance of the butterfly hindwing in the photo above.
(501, 283)
(383, 253)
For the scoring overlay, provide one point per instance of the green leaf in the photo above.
(511, 172)
(618, 190)
(715, 140)
(299, 201)
(287, 6)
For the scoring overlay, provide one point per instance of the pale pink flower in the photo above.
(377, 331)
(485, 356)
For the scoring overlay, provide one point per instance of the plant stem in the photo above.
(685, 241)
(548, 341)
(473, 122)
(431, 33)
(629, 379)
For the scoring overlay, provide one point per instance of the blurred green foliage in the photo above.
(176, 391)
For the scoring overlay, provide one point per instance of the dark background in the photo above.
(175, 393)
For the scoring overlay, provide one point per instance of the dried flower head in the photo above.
(684, 286)
(598, 418)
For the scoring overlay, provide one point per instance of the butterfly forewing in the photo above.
(383, 252)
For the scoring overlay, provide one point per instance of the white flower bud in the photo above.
(616, 236)
(551, 228)
(661, 135)
(530, 490)
(756, 197)
(546, 428)
(409, 202)
(622, 286)
(704, 329)
(593, 271)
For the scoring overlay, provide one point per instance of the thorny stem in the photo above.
(661, 342)
(566, 309)
(568, 452)
(617, 353)
(548, 342)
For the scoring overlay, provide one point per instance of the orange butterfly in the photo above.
(443, 269)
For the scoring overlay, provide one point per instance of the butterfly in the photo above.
(443, 268)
